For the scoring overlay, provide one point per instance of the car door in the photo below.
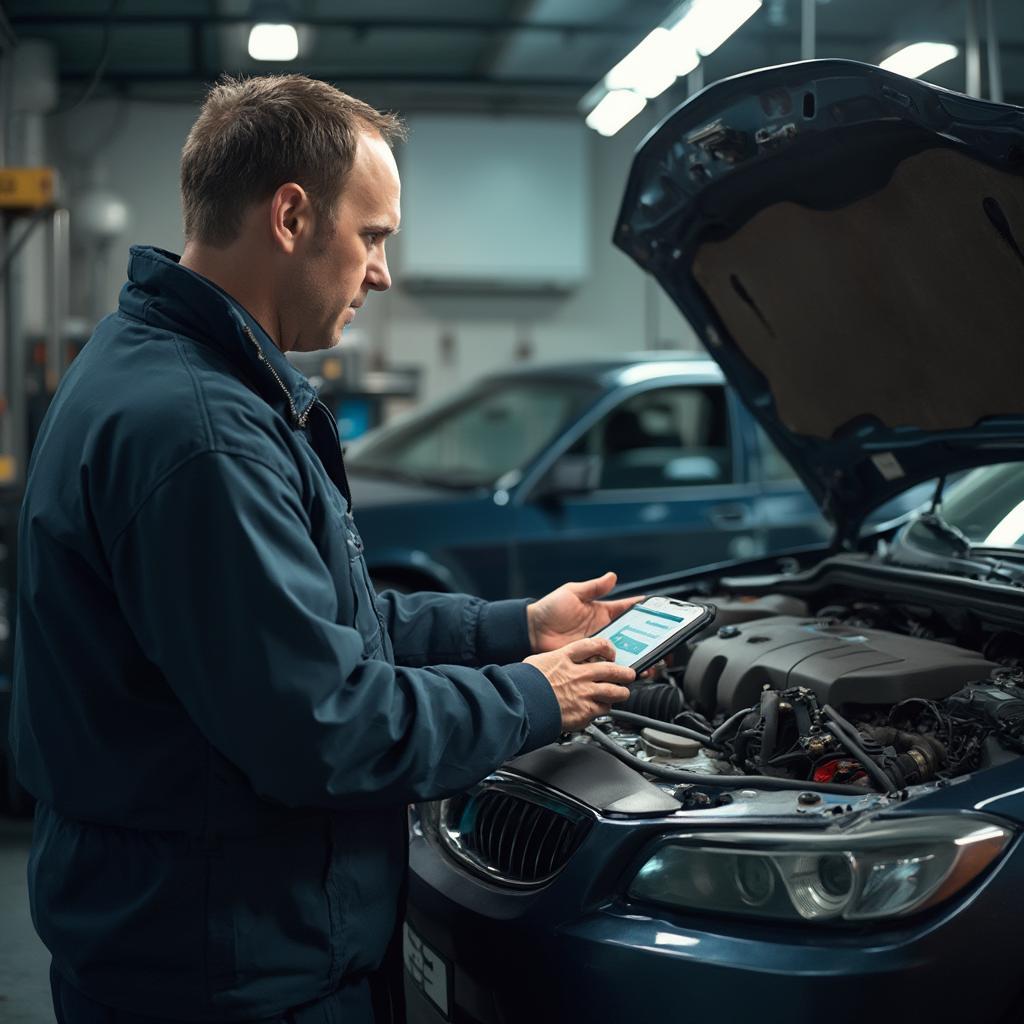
(671, 492)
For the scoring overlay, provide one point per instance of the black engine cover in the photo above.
(840, 664)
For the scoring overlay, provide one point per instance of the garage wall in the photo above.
(132, 150)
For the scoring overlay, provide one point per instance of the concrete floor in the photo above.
(24, 962)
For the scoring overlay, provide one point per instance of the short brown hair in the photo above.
(255, 134)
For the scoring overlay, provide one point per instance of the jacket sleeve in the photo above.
(428, 628)
(229, 597)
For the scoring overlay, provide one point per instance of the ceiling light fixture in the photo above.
(673, 49)
(618, 108)
(647, 68)
(269, 41)
(919, 58)
(706, 24)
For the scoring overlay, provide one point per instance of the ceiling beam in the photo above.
(575, 86)
(498, 25)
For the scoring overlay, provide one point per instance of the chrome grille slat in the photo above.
(510, 833)
(552, 823)
(514, 834)
(493, 809)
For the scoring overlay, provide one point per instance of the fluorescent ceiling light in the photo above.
(618, 108)
(652, 65)
(273, 42)
(708, 23)
(673, 49)
(645, 69)
(919, 58)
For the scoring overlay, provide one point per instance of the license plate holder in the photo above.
(427, 969)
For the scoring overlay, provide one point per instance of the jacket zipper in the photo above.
(299, 417)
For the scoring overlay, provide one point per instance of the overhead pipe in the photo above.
(995, 68)
(808, 30)
(972, 84)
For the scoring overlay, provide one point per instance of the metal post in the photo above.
(808, 30)
(695, 79)
(6, 86)
(15, 433)
(973, 48)
(59, 267)
(995, 69)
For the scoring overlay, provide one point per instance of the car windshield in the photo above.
(986, 506)
(477, 437)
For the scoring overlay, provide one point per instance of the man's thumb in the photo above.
(597, 587)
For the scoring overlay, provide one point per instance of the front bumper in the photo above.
(577, 951)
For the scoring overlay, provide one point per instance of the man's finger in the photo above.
(588, 590)
(620, 606)
(607, 693)
(590, 647)
(609, 672)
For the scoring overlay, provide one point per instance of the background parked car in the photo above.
(528, 478)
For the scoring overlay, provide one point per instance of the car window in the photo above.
(476, 439)
(986, 505)
(670, 437)
(774, 467)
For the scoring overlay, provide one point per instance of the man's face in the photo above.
(346, 257)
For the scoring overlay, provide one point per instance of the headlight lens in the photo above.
(873, 871)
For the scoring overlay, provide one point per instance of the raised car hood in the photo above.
(849, 245)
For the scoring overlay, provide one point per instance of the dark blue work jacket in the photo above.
(221, 722)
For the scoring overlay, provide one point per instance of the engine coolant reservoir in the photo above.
(680, 751)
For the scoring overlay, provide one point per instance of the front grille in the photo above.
(511, 836)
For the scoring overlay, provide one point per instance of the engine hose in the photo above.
(662, 701)
(652, 723)
(870, 765)
(723, 729)
(723, 781)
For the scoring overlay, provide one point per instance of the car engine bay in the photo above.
(824, 689)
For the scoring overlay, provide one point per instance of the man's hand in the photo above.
(572, 612)
(585, 685)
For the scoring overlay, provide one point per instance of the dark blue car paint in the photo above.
(495, 542)
(590, 954)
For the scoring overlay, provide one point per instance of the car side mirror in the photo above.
(571, 474)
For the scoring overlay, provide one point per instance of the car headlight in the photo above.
(872, 871)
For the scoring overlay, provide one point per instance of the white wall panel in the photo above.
(497, 202)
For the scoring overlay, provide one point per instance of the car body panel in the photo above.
(591, 955)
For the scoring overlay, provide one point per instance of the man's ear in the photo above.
(291, 216)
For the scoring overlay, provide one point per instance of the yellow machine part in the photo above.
(27, 188)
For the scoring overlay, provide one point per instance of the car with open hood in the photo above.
(815, 811)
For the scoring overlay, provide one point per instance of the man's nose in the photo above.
(378, 277)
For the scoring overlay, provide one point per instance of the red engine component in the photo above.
(840, 769)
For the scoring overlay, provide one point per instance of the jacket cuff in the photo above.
(543, 715)
(502, 633)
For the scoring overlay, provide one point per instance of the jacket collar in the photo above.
(164, 294)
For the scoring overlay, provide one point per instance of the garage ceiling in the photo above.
(488, 54)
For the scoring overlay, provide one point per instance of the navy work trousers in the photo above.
(349, 1005)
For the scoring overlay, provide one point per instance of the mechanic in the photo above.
(222, 724)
